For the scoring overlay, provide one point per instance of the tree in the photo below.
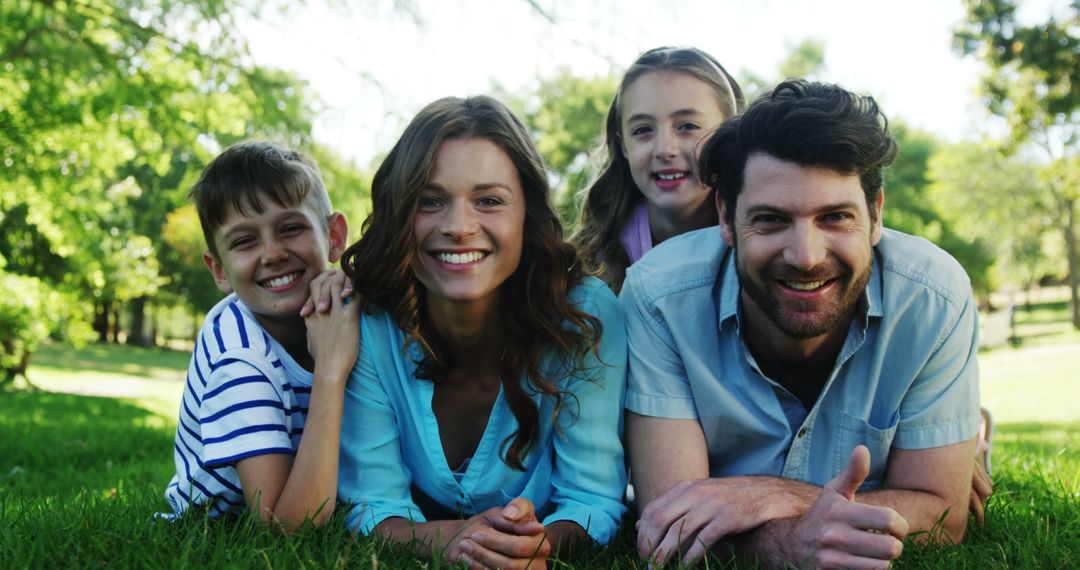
(566, 115)
(107, 113)
(910, 207)
(987, 196)
(1032, 80)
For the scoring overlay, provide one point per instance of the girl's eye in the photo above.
(429, 202)
(640, 130)
(689, 127)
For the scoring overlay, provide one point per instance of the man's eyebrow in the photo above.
(770, 209)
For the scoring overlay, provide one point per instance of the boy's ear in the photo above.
(217, 271)
(339, 236)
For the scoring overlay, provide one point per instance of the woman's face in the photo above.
(664, 117)
(469, 223)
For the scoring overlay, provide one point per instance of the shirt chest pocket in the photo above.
(855, 431)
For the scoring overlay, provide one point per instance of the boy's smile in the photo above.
(269, 258)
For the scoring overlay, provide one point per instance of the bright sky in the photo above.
(375, 67)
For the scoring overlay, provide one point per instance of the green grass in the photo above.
(82, 475)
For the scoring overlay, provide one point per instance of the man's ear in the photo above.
(726, 231)
(875, 230)
(339, 236)
(217, 271)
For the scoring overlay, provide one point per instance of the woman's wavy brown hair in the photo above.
(613, 195)
(536, 314)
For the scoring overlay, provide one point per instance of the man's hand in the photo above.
(837, 532)
(502, 537)
(692, 515)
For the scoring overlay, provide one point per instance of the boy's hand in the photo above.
(503, 537)
(333, 333)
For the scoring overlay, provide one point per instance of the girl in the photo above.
(648, 190)
(482, 418)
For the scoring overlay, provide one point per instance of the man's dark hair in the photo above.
(808, 123)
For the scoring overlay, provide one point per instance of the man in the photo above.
(767, 358)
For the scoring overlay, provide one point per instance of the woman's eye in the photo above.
(429, 202)
(489, 202)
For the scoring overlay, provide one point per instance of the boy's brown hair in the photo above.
(246, 172)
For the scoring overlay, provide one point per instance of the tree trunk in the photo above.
(101, 321)
(115, 306)
(1070, 253)
(136, 336)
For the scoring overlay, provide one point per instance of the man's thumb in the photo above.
(848, 481)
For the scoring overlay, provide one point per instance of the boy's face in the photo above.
(269, 259)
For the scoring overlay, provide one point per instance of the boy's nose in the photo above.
(274, 252)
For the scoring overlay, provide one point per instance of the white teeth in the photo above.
(460, 258)
(282, 281)
(675, 176)
(804, 286)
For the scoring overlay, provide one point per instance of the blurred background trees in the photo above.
(109, 110)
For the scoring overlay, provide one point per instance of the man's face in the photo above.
(802, 237)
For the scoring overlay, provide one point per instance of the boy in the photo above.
(253, 387)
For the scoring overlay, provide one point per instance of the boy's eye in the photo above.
(293, 229)
(241, 242)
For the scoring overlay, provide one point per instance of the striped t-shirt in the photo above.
(244, 396)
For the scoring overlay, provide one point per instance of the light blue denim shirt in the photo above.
(390, 438)
(906, 377)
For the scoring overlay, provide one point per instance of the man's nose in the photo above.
(805, 248)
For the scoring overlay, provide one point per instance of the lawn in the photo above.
(86, 456)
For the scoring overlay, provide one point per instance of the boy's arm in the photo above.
(291, 490)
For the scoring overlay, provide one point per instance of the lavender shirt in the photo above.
(636, 236)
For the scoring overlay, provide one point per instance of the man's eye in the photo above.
(836, 217)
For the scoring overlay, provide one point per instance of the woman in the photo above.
(483, 416)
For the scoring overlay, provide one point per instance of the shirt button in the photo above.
(802, 432)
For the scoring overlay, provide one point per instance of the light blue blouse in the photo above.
(390, 438)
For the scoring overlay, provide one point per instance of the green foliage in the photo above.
(989, 197)
(566, 115)
(108, 111)
(1032, 80)
(30, 312)
(910, 208)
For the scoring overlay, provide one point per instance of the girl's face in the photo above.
(664, 117)
(469, 224)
